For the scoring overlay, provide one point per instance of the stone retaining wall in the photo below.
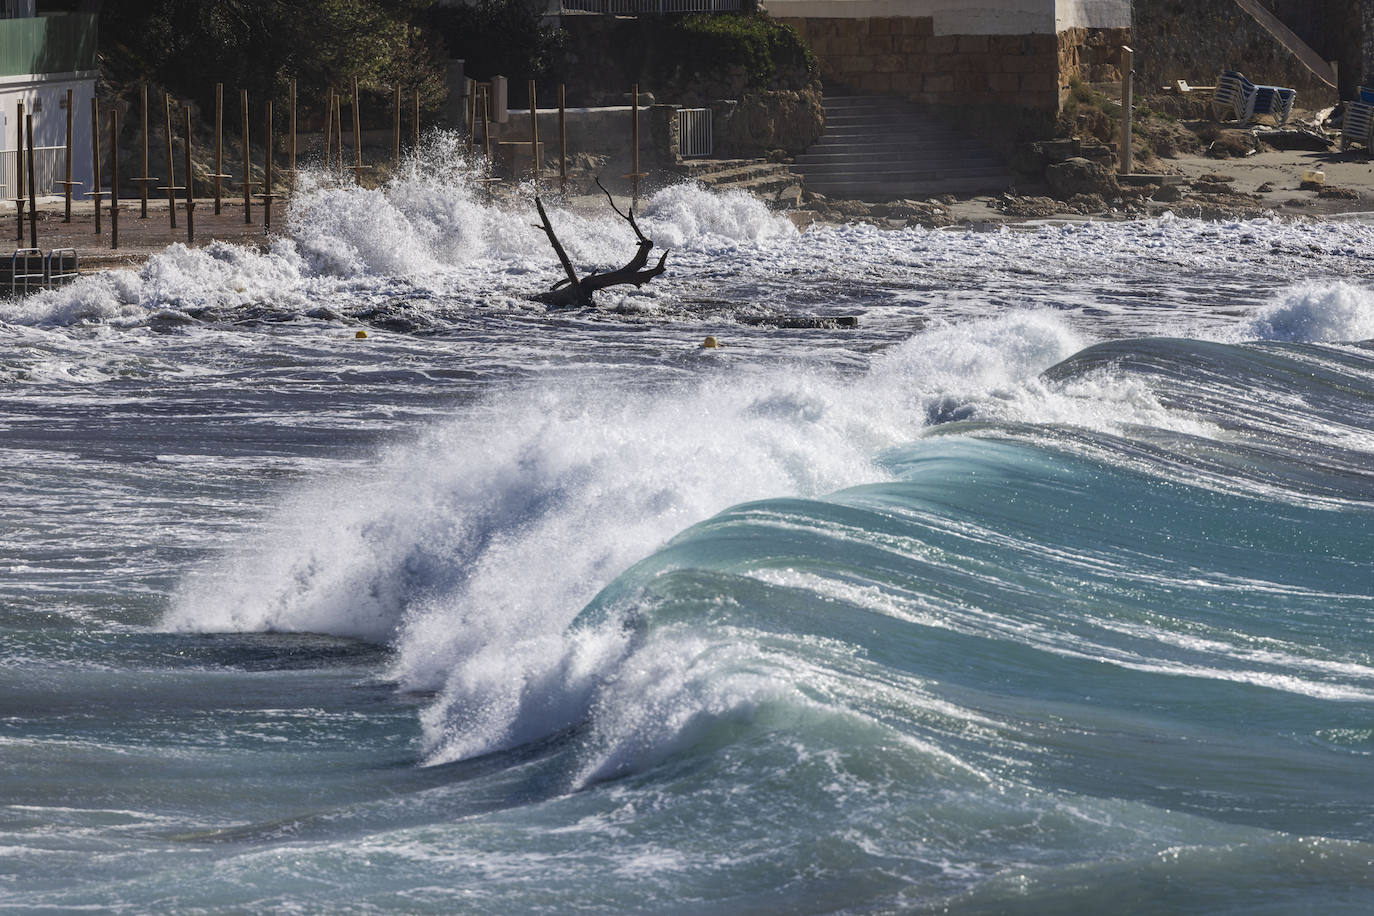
(1194, 40)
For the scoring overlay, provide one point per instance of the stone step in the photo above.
(886, 190)
(753, 175)
(896, 153)
(861, 172)
(884, 146)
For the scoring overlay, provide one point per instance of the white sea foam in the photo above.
(1315, 312)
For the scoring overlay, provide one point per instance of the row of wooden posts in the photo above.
(536, 166)
(333, 152)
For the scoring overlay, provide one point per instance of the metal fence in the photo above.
(49, 165)
(694, 132)
(631, 7)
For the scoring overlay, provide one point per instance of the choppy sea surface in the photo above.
(1047, 588)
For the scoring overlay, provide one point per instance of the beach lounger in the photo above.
(1237, 97)
(1358, 125)
(1274, 102)
(1232, 95)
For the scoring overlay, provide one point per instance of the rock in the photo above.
(1087, 204)
(789, 198)
(1081, 176)
(1029, 207)
(1312, 186)
(1266, 188)
(1333, 193)
(1216, 178)
(1053, 151)
(1231, 144)
(1297, 138)
(1170, 193)
(1099, 152)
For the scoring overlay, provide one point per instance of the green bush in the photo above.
(671, 53)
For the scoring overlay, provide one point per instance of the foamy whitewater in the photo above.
(1045, 589)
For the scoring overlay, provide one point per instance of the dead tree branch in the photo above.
(573, 291)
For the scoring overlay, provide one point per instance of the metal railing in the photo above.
(61, 267)
(631, 7)
(694, 132)
(49, 164)
(28, 271)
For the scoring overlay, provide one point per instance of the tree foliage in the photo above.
(260, 45)
(500, 38)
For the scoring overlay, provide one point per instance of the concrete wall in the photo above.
(1092, 14)
(947, 17)
(976, 17)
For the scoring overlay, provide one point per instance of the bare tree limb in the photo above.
(578, 292)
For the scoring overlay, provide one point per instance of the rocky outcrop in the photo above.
(1081, 176)
(762, 122)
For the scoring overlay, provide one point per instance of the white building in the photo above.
(42, 58)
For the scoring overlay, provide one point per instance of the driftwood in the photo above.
(575, 291)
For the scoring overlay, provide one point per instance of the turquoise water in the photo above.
(1046, 589)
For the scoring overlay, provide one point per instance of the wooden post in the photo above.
(190, 183)
(145, 179)
(291, 119)
(171, 162)
(19, 171)
(114, 177)
(533, 136)
(635, 173)
(219, 175)
(67, 185)
(267, 176)
(562, 138)
(1127, 107)
(472, 118)
(338, 128)
(247, 163)
(357, 132)
(396, 129)
(33, 189)
(96, 194)
(486, 123)
(328, 128)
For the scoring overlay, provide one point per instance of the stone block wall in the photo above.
(1333, 29)
(1091, 55)
(1196, 39)
(904, 56)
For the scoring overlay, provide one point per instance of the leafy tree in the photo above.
(259, 45)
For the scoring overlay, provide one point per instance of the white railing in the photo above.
(694, 132)
(49, 164)
(630, 7)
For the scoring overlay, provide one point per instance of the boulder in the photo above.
(1081, 176)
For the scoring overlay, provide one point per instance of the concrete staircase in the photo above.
(882, 147)
(756, 176)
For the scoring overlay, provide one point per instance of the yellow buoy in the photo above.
(360, 335)
(710, 343)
